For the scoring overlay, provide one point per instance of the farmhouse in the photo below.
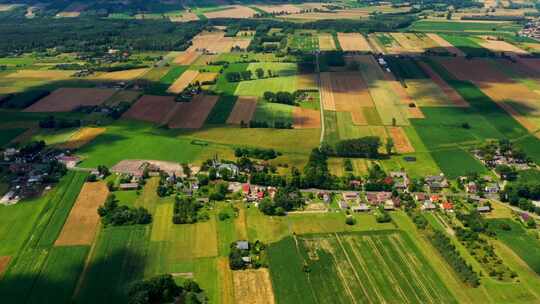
(483, 209)
(360, 208)
(69, 161)
(242, 245)
(471, 187)
(128, 186)
(350, 195)
(436, 183)
(428, 205)
(343, 205)
(420, 196)
(447, 206)
(492, 188)
(376, 198)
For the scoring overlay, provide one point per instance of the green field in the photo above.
(384, 266)
(7, 135)
(259, 86)
(273, 112)
(160, 86)
(303, 41)
(457, 162)
(468, 45)
(521, 241)
(117, 261)
(221, 111)
(456, 26)
(228, 88)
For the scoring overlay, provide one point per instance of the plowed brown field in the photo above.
(306, 118)
(447, 89)
(68, 99)
(151, 108)
(243, 110)
(187, 58)
(192, 115)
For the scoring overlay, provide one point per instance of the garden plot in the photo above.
(369, 267)
(68, 99)
(515, 98)
(382, 90)
(326, 42)
(446, 45)
(243, 110)
(353, 42)
(151, 108)
(193, 114)
(82, 222)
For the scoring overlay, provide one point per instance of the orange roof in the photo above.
(434, 197)
(447, 205)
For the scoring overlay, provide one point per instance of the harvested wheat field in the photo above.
(151, 108)
(122, 75)
(185, 17)
(82, 137)
(243, 110)
(306, 118)
(401, 141)
(283, 8)
(415, 112)
(82, 222)
(492, 44)
(253, 286)
(193, 114)
(235, 11)
(186, 58)
(238, 42)
(326, 92)
(515, 98)
(206, 77)
(205, 41)
(68, 99)
(40, 74)
(183, 81)
(353, 42)
(4, 262)
(326, 42)
(446, 45)
(452, 95)
(225, 275)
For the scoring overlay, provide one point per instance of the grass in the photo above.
(467, 44)
(406, 68)
(273, 112)
(457, 162)
(7, 135)
(277, 68)
(118, 260)
(221, 111)
(259, 86)
(520, 241)
(160, 87)
(456, 26)
(58, 278)
(224, 87)
(383, 265)
(333, 222)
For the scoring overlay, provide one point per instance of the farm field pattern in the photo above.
(263, 153)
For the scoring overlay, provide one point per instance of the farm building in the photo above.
(361, 208)
(128, 186)
(483, 209)
(350, 195)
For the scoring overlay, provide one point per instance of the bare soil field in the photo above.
(122, 75)
(515, 98)
(492, 44)
(452, 95)
(353, 42)
(68, 99)
(183, 81)
(243, 110)
(253, 286)
(4, 261)
(401, 141)
(133, 166)
(151, 108)
(82, 137)
(445, 44)
(306, 118)
(235, 11)
(82, 222)
(192, 115)
(531, 63)
(283, 8)
(326, 42)
(186, 58)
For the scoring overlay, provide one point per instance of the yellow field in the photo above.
(82, 137)
(122, 75)
(253, 286)
(326, 42)
(41, 74)
(353, 42)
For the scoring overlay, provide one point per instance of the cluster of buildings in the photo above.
(531, 29)
(31, 172)
(500, 158)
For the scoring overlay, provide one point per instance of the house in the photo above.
(434, 198)
(436, 182)
(471, 187)
(242, 245)
(355, 183)
(128, 186)
(396, 201)
(428, 205)
(360, 208)
(389, 205)
(376, 198)
(69, 161)
(234, 187)
(350, 195)
(420, 196)
(343, 205)
(447, 206)
(246, 189)
(492, 188)
(483, 209)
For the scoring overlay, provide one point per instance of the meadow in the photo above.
(456, 26)
(354, 267)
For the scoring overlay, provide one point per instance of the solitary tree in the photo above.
(260, 73)
(389, 145)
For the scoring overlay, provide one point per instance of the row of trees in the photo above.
(258, 153)
(113, 214)
(163, 289)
